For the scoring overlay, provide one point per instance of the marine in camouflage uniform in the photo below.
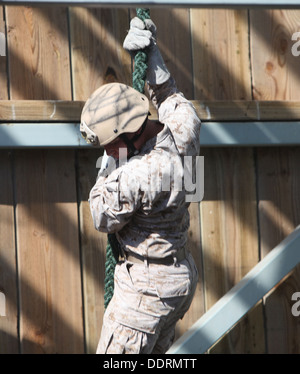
(144, 202)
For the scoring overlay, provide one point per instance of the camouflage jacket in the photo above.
(144, 200)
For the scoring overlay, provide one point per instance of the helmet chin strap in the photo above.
(131, 149)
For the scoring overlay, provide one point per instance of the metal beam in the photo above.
(162, 3)
(46, 135)
(214, 134)
(240, 299)
(250, 133)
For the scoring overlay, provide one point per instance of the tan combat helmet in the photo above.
(112, 110)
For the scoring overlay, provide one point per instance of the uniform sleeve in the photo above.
(179, 115)
(113, 200)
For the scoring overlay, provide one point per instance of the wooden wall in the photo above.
(52, 259)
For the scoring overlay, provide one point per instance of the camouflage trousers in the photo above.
(148, 301)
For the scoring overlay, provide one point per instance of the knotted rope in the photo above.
(113, 246)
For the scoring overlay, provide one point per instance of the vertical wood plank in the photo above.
(228, 210)
(38, 48)
(96, 46)
(229, 238)
(275, 69)
(276, 77)
(93, 249)
(220, 54)
(227, 220)
(9, 339)
(8, 274)
(174, 41)
(48, 252)
(3, 60)
(97, 58)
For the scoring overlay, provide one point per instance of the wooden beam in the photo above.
(40, 110)
(208, 111)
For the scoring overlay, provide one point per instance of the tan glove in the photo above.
(143, 35)
(138, 37)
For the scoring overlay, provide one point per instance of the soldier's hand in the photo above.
(138, 37)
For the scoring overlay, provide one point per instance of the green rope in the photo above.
(113, 246)
(112, 257)
(140, 59)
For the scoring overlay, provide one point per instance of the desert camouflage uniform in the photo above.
(144, 203)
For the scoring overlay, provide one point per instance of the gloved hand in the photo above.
(137, 38)
(143, 35)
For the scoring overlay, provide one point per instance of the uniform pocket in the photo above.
(174, 287)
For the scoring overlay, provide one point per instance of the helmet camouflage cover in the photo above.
(113, 109)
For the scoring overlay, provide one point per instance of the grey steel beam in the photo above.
(164, 3)
(213, 134)
(240, 299)
(250, 133)
(44, 135)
